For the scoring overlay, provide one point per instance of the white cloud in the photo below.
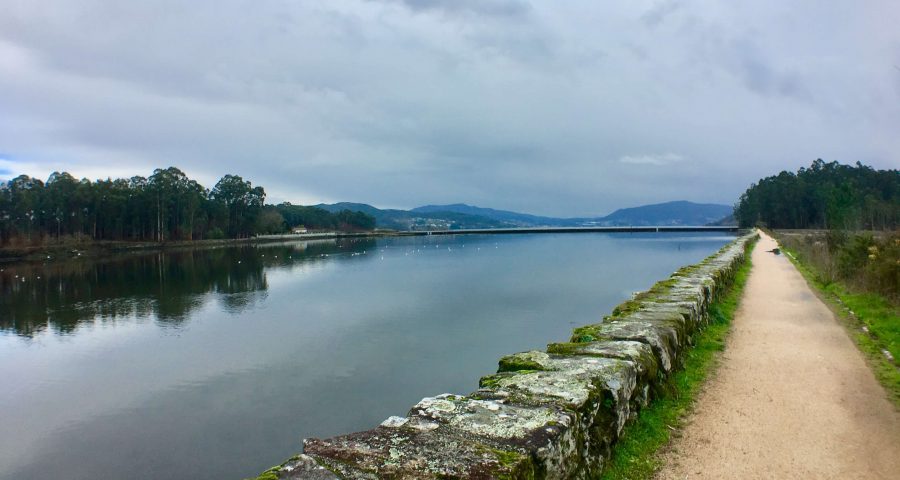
(655, 159)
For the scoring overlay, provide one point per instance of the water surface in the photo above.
(214, 363)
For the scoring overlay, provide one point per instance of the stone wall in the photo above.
(552, 414)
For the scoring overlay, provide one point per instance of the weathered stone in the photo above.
(640, 354)
(694, 316)
(417, 453)
(683, 329)
(302, 467)
(532, 360)
(601, 391)
(662, 339)
(544, 432)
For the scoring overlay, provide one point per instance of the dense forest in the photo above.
(853, 212)
(824, 196)
(166, 206)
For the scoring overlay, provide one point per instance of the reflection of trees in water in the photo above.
(165, 286)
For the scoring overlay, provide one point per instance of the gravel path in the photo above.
(793, 397)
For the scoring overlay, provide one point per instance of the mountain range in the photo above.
(462, 216)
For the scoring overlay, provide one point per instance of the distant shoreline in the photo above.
(110, 247)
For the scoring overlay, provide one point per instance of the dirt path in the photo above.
(793, 397)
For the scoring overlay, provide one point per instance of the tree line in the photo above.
(824, 196)
(163, 207)
(162, 286)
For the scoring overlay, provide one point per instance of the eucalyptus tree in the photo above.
(194, 196)
(6, 206)
(162, 186)
(86, 213)
(178, 200)
(59, 202)
(25, 210)
(825, 195)
(242, 201)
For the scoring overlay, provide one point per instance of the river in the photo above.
(214, 363)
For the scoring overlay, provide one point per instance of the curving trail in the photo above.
(793, 397)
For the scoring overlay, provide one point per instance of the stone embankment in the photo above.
(552, 414)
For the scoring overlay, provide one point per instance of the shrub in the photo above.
(215, 234)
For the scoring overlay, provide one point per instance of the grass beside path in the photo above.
(635, 456)
(871, 321)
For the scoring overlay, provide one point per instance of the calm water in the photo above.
(212, 364)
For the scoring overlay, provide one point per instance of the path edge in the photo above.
(886, 372)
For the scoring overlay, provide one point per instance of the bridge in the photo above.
(634, 229)
(493, 231)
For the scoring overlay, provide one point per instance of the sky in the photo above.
(555, 108)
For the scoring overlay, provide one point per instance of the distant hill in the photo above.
(387, 218)
(415, 220)
(669, 213)
(512, 218)
(463, 216)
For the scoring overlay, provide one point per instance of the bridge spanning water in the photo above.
(500, 231)
(634, 229)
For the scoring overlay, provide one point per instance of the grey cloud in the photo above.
(660, 11)
(760, 76)
(541, 106)
(502, 8)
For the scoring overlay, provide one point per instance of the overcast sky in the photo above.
(553, 107)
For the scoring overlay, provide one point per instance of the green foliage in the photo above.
(270, 474)
(515, 363)
(215, 234)
(863, 262)
(166, 206)
(318, 218)
(270, 222)
(852, 256)
(355, 220)
(242, 201)
(635, 455)
(883, 267)
(825, 195)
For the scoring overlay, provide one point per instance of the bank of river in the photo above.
(105, 248)
(213, 363)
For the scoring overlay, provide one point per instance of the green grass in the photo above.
(871, 310)
(635, 456)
